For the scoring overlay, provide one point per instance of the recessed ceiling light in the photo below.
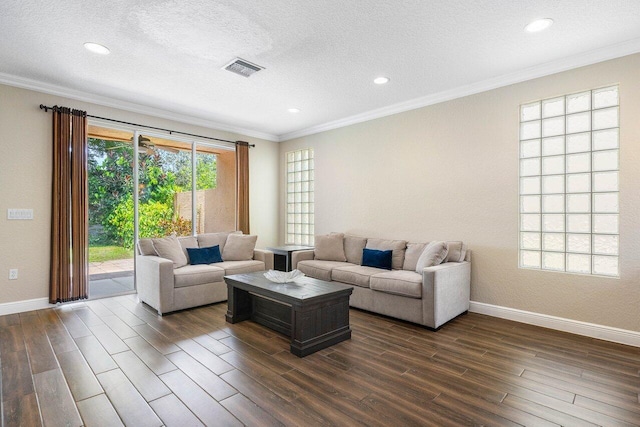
(381, 80)
(539, 25)
(293, 110)
(97, 48)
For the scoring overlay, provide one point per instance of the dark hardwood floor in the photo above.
(113, 361)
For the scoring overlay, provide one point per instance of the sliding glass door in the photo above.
(111, 239)
(172, 196)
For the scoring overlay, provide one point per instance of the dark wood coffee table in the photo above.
(314, 313)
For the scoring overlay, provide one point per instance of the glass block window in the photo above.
(569, 178)
(300, 197)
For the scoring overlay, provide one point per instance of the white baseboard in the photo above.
(592, 330)
(26, 305)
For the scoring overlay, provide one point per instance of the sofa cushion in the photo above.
(413, 252)
(191, 275)
(397, 246)
(457, 252)
(329, 247)
(355, 275)
(169, 248)
(401, 282)
(319, 269)
(206, 240)
(433, 254)
(240, 267)
(353, 246)
(204, 255)
(188, 242)
(376, 258)
(239, 247)
(145, 247)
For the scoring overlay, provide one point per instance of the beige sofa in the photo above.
(169, 282)
(432, 297)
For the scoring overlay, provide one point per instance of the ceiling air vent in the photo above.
(242, 67)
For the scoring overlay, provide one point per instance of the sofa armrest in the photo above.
(264, 256)
(155, 283)
(298, 256)
(446, 290)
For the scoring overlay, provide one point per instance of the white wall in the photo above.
(25, 182)
(450, 172)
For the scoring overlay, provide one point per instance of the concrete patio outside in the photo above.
(109, 278)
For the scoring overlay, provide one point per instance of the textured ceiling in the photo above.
(320, 56)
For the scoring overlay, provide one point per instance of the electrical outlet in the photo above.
(13, 274)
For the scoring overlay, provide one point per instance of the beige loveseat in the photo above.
(430, 297)
(168, 282)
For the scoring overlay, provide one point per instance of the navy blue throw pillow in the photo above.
(204, 255)
(375, 258)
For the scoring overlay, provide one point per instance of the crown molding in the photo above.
(601, 332)
(587, 58)
(51, 89)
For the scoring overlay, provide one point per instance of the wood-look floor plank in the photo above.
(97, 357)
(11, 339)
(155, 360)
(21, 411)
(248, 412)
(174, 413)
(142, 378)
(602, 393)
(120, 328)
(16, 375)
(581, 412)
(205, 407)
(617, 380)
(286, 412)
(10, 320)
(109, 340)
(98, 308)
(504, 411)
(391, 412)
(325, 373)
(544, 412)
(196, 369)
(81, 380)
(128, 317)
(207, 380)
(156, 339)
(339, 399)
(473, 413)
(630, 416)
(98, 411)
(55, 400)
(249, 351)
(204, 356)
(128, 403)
(517, 385)
(41, 356)
(255, 369)
(59, 337)
(88, 317)
(72, 322)
(213, 345)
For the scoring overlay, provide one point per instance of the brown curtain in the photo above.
(242, 186)
(69, 219)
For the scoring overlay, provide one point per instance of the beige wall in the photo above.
(450, 172)
(25, 182)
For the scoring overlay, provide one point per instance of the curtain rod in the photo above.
(171, 132)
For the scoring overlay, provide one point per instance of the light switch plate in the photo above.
(19, 213)
(13, 274)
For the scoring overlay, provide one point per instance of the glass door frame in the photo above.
(138, 131)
